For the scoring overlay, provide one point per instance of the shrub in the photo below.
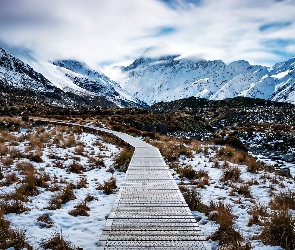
(193, 199)
(62, 197)
(236, 143)
(75, 168)
(122, 160)
(57, 242)
(45, 221)
(108, 186)
(231, 174)
(225, 234)
(284, 200)
(244, 190)
(189, 173)
(80, 210)
(280, 230)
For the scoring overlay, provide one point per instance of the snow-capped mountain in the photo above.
(95, 82)
(168, 78)
(15, 75)
(70, 82)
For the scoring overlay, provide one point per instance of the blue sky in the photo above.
(104, 33)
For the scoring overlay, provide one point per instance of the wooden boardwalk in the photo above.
(149, 211)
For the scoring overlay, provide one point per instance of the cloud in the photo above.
(106, 32)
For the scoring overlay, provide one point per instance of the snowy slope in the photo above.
(95, 82)
(168, 78)
(17, 76)
(71, 81)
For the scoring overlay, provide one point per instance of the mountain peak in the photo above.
(168, 78)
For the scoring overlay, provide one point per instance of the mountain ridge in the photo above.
(168, 78)
(69, 82)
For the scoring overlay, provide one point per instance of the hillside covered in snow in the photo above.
(172, 77)
(63, 83)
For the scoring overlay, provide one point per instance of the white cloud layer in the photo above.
(104, 32)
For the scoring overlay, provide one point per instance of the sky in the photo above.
(105, 33)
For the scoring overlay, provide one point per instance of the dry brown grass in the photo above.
(283, 200)
(10, 179)
(193, 199)
(45, 221)
(231, 174)
(279, 230)
(12, 206)
(7, 161)
(244, 190)
(62, 197)
(225, 234)
(122, 160)
(69, 141)
(5, 136)
(80, 210)
(109, 186)
(57, 242)
(75, 168)
(252, 165)
(79, 150)
(255, 213)
(35, 141)
(24, 167)
(3, 149)
(82, 183)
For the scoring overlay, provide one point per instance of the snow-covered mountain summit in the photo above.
(95, 82)
(171, 77)
(70, 81)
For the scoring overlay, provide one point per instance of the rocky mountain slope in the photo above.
(63, 83)
(167, 78)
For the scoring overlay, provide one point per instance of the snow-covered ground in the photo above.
(261, 185)
(84, 231)
(81, 231)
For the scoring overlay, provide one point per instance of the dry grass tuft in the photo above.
(62, 197)
(279, 230)
(24, 167)
(75, 168)
(57, 242)
(82, 183)
(109, 186)
(122, 160)
(284, 200)
(7, 161)
(231, 174)
(45, 221)
(193, 199)
(80, 210)
(225, 234)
